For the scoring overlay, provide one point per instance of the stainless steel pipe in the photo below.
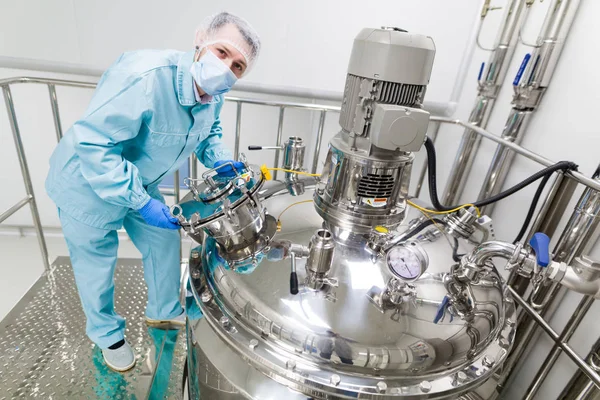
(286, 104)
(580, 387)
(529, 90)
(565, 336)
(467, 150)
(193, 160)
(490, 83)
(584, 366)
(496, 175)
(319, 140)
(587, 204)
(547, 220)
(48, 81)
(279, 140)
(238, 130)
(20, 204)
(579, 177)
(55, 112)
(579, 234)
(14, 126)
(488, 250)
(554, 206)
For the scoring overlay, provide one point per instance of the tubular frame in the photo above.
(559, 340)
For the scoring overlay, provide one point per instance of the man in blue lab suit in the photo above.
(150, 111)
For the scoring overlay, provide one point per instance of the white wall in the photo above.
(306, 44)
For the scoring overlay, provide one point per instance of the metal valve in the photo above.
(540, 244)
(293, 154)
(318, 264)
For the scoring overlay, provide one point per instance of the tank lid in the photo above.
(350, 335)
(218, 193)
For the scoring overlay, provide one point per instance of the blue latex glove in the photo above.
(227, 171)
(157, 214)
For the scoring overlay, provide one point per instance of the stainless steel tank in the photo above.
(348, 339)
(345, 300)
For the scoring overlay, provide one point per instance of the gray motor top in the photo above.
(388, 74)
(392, 55)
(366, 176)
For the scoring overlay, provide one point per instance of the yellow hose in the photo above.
(425, 210)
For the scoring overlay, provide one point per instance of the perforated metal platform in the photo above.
(45, 353)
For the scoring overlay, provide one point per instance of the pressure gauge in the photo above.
(407, 261)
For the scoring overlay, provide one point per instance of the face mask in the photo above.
(212, 74)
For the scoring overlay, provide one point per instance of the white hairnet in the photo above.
(244, 38)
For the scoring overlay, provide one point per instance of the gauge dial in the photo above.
(407, 262)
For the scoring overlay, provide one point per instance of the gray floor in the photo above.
(22, 264)
(44, 352)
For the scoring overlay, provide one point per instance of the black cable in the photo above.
(455, 256)
(532, 207)
(559, 166)
(432, 178)
(422, 226)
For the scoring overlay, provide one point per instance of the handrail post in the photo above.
(193, 160)
(177, 196)
(568, 350)
(318, 143)
(176, 188)
(238, 130)
(12, 118)
(55, 113)
(279, 139)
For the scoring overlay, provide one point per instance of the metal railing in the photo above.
(323, 109)
(193, 162)
(559, 340)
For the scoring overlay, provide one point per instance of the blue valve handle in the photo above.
(540, 243)
(441, 309)
(481, 71)
(521, 69)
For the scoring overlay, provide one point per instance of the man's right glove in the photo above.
(157, 214)
(227, 170)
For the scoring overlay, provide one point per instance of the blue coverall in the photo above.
(142, 124)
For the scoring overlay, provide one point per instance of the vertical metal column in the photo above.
(565, 336)
(12, 118)
(536, 72)
(577, 237)
(490, 82)
(547, 220)
(55, 113)
(552, 210)
(193, 164)
(583, 366)
(318, 142)
(176, 186)
(516, 124)
(238, 130)
(279, 139)
(176, 192)
(580, 387)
